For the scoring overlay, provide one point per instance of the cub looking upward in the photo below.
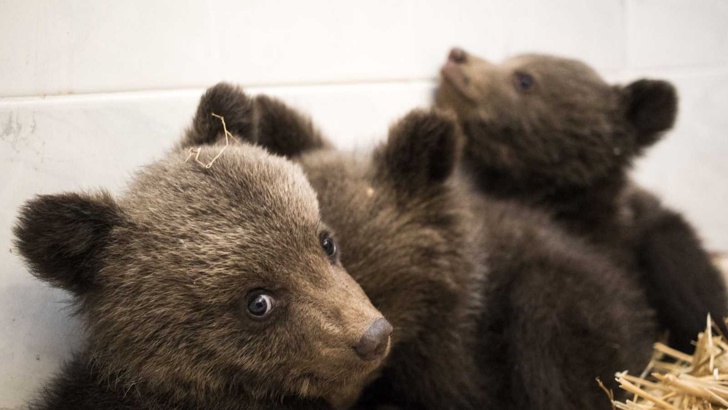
(550, 133)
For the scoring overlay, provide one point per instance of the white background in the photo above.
(91, 90)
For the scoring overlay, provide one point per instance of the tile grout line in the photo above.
(253, 86)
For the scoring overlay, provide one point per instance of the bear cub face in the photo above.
(551, 120)
(202, 283)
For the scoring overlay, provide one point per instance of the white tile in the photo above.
(592, 31)
(85, 47)
(51, 47)
(290, 42)
(38, 335)
(672, 33)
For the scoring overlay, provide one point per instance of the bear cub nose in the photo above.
(373, 344)
(457, 55)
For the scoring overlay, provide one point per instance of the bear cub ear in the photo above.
(651, 108)
(61, 237)
(228, 101)
(262, 120)
(422, 150)
(283, 130)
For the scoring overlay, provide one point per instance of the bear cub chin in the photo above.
(492, 305)
(204, 288)
(550, 133)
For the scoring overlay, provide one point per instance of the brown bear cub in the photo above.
(549, 132)
(205, 288)
(492, 306)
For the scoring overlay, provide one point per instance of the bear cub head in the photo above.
(545, 121)
(202, 283)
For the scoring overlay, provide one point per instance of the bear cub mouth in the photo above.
(454, 76)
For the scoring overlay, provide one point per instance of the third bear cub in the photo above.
(550, 133)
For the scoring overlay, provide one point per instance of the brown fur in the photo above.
(564, 144)
(162, 279)
(493, 306)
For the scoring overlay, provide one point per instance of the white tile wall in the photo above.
(67, 47)
(90, 90)
(677, 33)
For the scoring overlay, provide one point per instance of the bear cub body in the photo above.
(492, 305)
(204, 288)
(550, 133)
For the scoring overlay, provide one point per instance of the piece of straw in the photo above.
(195, 151)
(677, 381)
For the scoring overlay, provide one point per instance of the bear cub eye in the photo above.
(260, 304)
(524, 82)
(329, 246)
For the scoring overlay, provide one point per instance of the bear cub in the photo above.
(204, 288)
(492, 305)
(550, 133)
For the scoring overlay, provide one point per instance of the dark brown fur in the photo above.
(565, 145)
(162, 279)
(493, 306)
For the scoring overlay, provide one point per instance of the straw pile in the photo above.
(676, 381)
